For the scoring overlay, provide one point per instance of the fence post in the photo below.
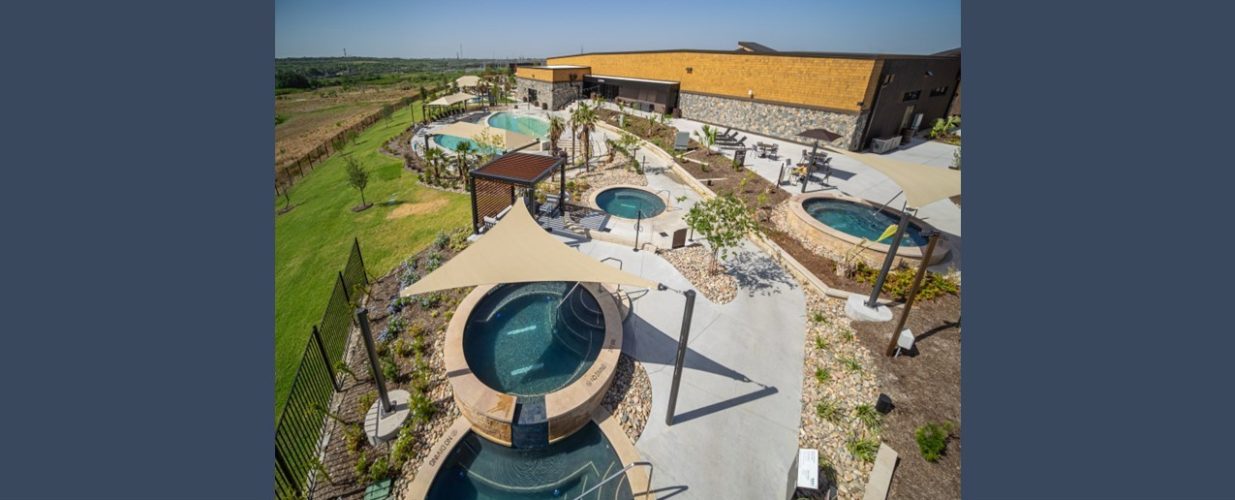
(346, 296)
(360, 257)
(334, 381)
(287, 473)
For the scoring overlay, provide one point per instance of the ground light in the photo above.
(913, 291)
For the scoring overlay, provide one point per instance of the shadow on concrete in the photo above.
(764, 391)
(673, 491)
(756, 273)
(650, 345)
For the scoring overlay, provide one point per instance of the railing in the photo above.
(567, 296)
(621, 473)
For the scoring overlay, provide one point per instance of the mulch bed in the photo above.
(353, 402)
(925, 386)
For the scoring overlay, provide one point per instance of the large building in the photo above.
(759, 90)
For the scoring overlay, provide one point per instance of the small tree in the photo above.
(707, 137)
(555, 131)
(488, 144)
(723, 221)
(358, 178)
(462, 150)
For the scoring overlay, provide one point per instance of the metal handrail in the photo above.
(622, 472)
(567, 296)
(620, 267)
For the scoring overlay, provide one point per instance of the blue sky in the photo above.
(514, 28)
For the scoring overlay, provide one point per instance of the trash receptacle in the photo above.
(906, 134)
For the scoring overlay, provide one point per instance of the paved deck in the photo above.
(736, 430)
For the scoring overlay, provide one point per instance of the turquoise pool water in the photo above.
(856, 219)
(479, 469)
(450, 142)
(518, 341)
(525, 125)
(629, 202)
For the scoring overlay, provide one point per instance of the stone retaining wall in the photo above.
(773, 120)
(556, 95)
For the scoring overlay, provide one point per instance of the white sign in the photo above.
(808, 469)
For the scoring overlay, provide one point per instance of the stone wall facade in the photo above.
(773, 120)
(555, 95)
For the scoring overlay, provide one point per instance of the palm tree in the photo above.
(555, 130)
(707, 137)
(584, 119)
(462, 150)
(432, 157)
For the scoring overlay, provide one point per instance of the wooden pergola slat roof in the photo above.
(524, 169)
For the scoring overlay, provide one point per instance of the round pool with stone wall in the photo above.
(840, 222)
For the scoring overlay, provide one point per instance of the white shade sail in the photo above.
(452, 99)
(467, 81)
(518, 250)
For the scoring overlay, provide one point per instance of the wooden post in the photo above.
(913, 292)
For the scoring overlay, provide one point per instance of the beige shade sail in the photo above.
(452, 99)
(467, 81)
(921, 184)
(510, 141)
(517, 250)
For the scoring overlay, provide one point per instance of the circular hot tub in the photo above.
(840, 223)
(529, 362)
(629, 202)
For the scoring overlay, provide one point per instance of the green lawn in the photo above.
(312, 241)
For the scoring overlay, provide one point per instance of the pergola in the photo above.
(493, 184)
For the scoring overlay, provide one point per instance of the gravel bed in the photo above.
(629, 398)
(694, 263)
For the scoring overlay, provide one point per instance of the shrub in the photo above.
(846, 335)
(390, 369)
(867, 415)
(354, 438)
(850, 363)
(362, 465)
(899, 281)
(820, 342)
(422, 408)
(366, 401)
(822, 375)
(933, 439)
(863, 449)
(379, 469)
(828, 410)
(818, 317)
(401, 450)
(441, 240)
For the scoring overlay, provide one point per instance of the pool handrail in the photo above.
(623, 472)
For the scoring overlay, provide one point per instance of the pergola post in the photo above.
(887, 261)
(561, 186)
(687, 313)
(471, 186)
(913, 293)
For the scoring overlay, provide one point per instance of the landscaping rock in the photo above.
(695, 263)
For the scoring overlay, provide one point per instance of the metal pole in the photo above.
(913, 292)
(362, 317)
(638, 226)
(334, 381)
(780, 177)
(887, 261)
(687, 313)
(292, 480)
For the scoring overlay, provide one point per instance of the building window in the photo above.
(888, 78)
(911, 96)
(938, 91)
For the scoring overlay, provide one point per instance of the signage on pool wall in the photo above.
(445, 447)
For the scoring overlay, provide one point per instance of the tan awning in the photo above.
(510, 141)
(467, 81)
(452, 99)
(517, 250)
(921, 184)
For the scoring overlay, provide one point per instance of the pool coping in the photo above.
(662, 216)
(567, 409)
(906, 253)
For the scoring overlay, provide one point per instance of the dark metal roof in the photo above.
(519, 168)
(754, 47)
(832, 55)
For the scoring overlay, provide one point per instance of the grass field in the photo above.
(312, 240)
(309, 118)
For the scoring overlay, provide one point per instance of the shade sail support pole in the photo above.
(887, 261)
(687, 313)
(362, 317)
(913, 293)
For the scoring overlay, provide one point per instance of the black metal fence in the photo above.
(298, 431)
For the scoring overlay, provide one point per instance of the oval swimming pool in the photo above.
(450, 142)
(860, 220)
(479, 469)
(629, 202)
(525, 125)
(518, 340)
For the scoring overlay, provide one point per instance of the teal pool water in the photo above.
(525, 125)
(479, 469)
(629, 202)
(856, 219)
(451, 141)
(519, 341)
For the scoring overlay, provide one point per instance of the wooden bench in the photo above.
(881, 476)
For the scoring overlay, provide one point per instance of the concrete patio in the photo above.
(735, 434)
